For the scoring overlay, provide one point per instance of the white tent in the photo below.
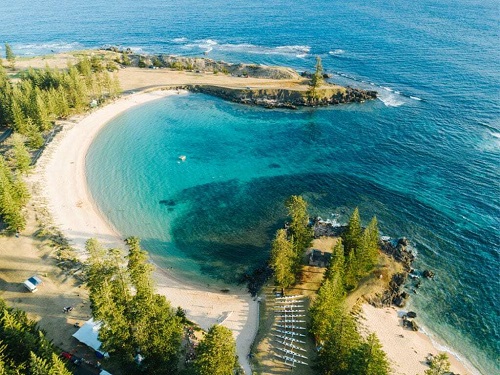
(88, 334)
(104, 372)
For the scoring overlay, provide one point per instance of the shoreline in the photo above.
(407, 350)
(77, 216)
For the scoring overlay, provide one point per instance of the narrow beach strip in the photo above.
(60, 173)
(406, 350)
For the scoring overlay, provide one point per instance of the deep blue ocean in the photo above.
(424, 158)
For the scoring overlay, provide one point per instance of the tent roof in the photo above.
(88, 334)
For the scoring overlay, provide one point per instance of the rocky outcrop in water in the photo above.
(286, 98)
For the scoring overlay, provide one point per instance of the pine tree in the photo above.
(317, 78)
(35, 138)
(337, 262)
(38, 366)
(328, 304)
(369, 358)
(299, 228)
(216, 353)
(351, 272)
(41, 114)
(316, 82)
(283, 259)
(135, 320)
(334, 357)
(370, 244)
(19, 155)
(5, 98)
(352, 236)
(9, 55)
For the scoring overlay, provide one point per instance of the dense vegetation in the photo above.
(24, 348)
(289, 245)
(29, 105)
(135, 320)
(216, 353)
(342, 349)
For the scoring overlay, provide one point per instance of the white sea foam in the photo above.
(415, 98)
(443, 348)
(30, 49)
(391, 100)
(208, 45)
(337, 52)
(180, 40)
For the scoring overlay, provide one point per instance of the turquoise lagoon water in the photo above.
(424, 158)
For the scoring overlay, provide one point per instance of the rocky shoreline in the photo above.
(395, 293)
(293, 92)
(286, 98)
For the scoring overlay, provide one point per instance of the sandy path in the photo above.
(62, 173)
(405, 349)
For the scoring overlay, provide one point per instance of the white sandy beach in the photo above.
(405, 349)
(61, 171)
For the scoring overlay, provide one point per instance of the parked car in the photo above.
(32, 283)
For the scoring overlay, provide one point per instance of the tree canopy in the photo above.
(30, 105)
(283, 259)
(439, 365)
(135, 319)
(24, 349)
(361, 249)
(9, 55)
(216, 353)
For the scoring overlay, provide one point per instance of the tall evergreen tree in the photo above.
(317, 78)
(334, 357)
(316, 82)
(369, 358)
(5, 98)
(299, 228)
(283, 259)
(216, 353)
(135, 320)
(337, 262)
(9, 55)
(351, 272)
(352, 236)
(370, 245)
(328, 305)
(19, 155)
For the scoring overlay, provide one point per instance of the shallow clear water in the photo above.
(424, 158)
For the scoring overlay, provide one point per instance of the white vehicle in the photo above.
(32, 283)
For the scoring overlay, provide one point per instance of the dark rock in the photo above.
(428, 274)
(168, 202)
(411, 314)
(403, 241)
(413, 325)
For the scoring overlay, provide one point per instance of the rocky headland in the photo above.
(289, 89)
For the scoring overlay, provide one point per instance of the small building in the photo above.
(319, 258)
